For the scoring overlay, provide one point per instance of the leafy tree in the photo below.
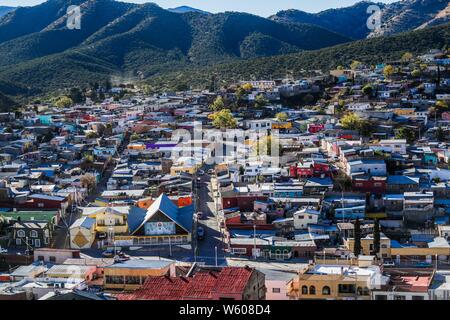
(441, 106)
(281, 116)
(76, 95)
(365, 128)
(407, 57)
(350, 121)
(218, 104)
(406, 133)
(368, 90)
(440, 134)
(63, 102)
(240, 93)
(357, 235)
(261, 101)
(92, 135)
(388, 71)
(355, 64)
(88, 181)
(247, 87)
(416, 73)
(376, 237)
(223, 119)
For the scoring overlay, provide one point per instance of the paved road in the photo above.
(61, 237)
(213, 236)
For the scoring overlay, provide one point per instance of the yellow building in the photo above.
(131, 274)
(109, 219)
(282, 125)
(404, 111)
(334, 282)
(367, 245)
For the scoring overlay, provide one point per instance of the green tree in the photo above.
(223, 119)
(63, 102)
(388, 71)
(357, 235)
(441, 106)
(76, 95)
(247, 87)
(440, 134)
(416, 73)
(218, 104)
(407, 57)
(261, 101)
(368, 90)
(406, 133)
(350, 121)
(281, 116)
(365, 128)
(376, 237)
(355, 64)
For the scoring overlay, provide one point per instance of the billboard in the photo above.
(159, 228)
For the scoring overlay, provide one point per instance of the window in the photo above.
(132, 280)
(21, 233)
(18, 242)
(41, 258)
(37, 243)
(276, 290)
(304, 290)
(326, 291)
(114, 279)
(52, 259)
(381, 297)
(417, 298)
(239, 250)
(399, 298)
(33, 234)
(312, 290)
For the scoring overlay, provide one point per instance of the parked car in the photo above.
(109, 253)
(388, 264)
(102, 235)
(200, 233)
(210, 172)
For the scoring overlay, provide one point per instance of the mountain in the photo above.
(6, 103)
(134, 41)
(371, 51)
(186, 9)
(352, 21)
(4, 10)
(349, 21)
(411, 14)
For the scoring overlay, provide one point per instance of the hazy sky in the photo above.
(259, 7)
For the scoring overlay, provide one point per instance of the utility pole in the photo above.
(216, 255)
(254, 240)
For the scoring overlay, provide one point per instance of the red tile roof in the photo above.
(202, 286)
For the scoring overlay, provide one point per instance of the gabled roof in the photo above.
(181, 216)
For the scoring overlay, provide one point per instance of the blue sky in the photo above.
(259, 7)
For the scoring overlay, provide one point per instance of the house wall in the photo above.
(278, 286)
(126, 273)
